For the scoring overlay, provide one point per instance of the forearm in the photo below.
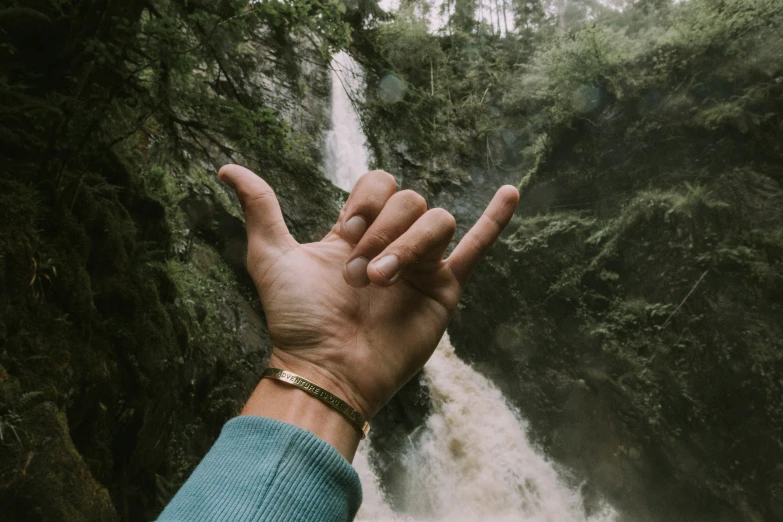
(287, 457)
(276, 462)
(280, 401)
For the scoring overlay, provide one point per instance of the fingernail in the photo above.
(388, 266)
(357, 270)
(356, 227)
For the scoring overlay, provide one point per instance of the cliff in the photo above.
(632, 311)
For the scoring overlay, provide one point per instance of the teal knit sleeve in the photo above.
(262, 469)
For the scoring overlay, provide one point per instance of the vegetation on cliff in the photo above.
(129, 330)
(634, 311)
(636, 304)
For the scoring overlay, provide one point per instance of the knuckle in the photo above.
(377, 238)
(493, 221)
(475, 244)
(445, 217)
(383, 177)
(406, 253)
(370, 204)
(262, 196)
(413, 250)
(412, 199)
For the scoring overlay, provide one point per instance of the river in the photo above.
(472, 459)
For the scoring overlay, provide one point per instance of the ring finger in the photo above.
(400, 212)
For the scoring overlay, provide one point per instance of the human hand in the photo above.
(361, 311)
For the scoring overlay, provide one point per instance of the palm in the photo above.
(382, 332)
(361, 311)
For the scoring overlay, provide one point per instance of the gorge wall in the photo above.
(632, 310)
(130, 329)
(631, 313)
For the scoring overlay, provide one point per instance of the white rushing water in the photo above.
(472, 459)
(346, 155)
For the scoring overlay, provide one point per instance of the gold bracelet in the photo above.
(353, 416)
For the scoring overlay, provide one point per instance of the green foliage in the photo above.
(448, 112)
(469, 91)
(539, 232)
(8, 426)
(647, 255)
(662, 55)
(115, 116)
(694, 198)
(189, 79)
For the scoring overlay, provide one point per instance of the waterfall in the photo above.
(472, 459)
(346, 156)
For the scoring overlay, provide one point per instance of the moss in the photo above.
(47, 477)
(125, 301)
(109, 333)
(633, 317)
(665, 311)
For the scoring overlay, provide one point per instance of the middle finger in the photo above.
(400, 212)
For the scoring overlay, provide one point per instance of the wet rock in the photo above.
(46, 478)
(392, 429)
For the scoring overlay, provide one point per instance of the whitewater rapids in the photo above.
(472, 460)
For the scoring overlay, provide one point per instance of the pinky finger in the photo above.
(482, 236)
(425, 241)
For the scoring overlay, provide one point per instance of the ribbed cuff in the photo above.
(262, 469)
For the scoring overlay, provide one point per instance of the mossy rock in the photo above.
(46, 477)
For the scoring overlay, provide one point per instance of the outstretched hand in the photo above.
(361, 311)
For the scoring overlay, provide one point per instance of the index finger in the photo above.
(365, 202)
(484, 233)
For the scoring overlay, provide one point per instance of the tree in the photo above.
(464, 17)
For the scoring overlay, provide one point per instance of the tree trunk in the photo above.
(497, 15)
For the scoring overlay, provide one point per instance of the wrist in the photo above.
(322, 375)
(286, 403)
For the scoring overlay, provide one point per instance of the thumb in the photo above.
(264, 220)
(482, 236)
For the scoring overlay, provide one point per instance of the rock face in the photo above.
(130, 329)
(632, 309)
(640, 338)
(52, 481)
(118, 377)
